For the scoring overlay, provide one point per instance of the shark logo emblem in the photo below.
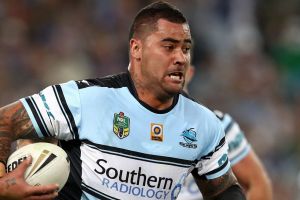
(189, 136)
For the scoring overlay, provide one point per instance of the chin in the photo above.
(174, 91)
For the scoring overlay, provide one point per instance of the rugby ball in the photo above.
(50, 164)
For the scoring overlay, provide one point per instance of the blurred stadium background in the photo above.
(247, 57)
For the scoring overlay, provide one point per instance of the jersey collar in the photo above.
(133, 91)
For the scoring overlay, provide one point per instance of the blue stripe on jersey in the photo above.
(229, 126)
(47, 133)
(70, 95)
(219, 168)
(66, 111)
(227, 123)
(219, 171)
(221, 143)
(39, 119)
(142, 156)
(240, 156)
(31, 115)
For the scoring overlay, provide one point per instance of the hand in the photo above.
(2, 169)
(14, 187)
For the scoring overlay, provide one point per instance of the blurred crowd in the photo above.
(246, 54)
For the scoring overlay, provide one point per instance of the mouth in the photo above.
(176, 76)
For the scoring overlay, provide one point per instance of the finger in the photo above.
(43, 189)
(25, 164)
(50, 196)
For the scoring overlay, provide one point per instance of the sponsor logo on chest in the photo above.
(157, 132)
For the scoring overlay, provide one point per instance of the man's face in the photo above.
(165, 57)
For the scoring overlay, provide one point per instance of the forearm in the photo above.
(6, 137)
(234, 192)
(224, 187)
(253, 178)
(260, 191)
(260, 188)
(14, 123)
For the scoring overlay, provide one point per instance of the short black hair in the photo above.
(148, 16)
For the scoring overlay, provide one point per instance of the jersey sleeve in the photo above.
(237, 142)
(55, 111)
(215, 162)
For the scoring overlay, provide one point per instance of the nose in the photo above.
(180, 58)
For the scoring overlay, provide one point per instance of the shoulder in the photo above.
(203, 119)
(196, 109)
(111, 81)
(229, 124)
(237, 142)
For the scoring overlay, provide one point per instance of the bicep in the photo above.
(213, 187)
(15, 122)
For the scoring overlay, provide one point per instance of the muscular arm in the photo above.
(253, 177)
(14, 124)
(216, 188)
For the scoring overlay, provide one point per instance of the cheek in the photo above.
(152, 66)
(154, 59)
(153, 53)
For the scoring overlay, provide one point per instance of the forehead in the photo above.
(166, 28)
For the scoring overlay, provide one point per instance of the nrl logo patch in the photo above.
(121, 125)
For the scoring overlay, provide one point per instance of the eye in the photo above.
(186, 49)
(169, 47)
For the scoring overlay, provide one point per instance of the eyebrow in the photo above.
(176, 41)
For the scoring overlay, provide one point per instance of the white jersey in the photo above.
(121, 148)
(238, 149)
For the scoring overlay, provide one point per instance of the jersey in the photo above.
(238, 149)
(121, 148)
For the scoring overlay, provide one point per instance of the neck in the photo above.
(155, 101)
(149, 95)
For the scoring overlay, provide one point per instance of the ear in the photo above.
(136, 49)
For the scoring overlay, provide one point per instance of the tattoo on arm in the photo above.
(211, 188)
(23, 127)
(5, 144)
(14, 124)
